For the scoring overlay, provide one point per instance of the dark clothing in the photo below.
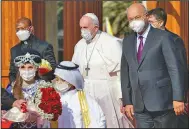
(24, 125)
(6, 100)
(181, 56)
(159, 78)
(161, 119)
(182, 121)
(44, 48)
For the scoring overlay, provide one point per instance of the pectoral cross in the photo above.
(87, 69)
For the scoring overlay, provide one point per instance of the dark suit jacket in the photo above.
(181, 55)
(180, 49)
(45, 49)
(6, 100)
(158, 79)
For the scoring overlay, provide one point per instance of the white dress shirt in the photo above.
(144, 35)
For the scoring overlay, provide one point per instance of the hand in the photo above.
(129, 111)
(122, 109)
(178, 107)
(3, 112)
(18, 103)
(113, 74)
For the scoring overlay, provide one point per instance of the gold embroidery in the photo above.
(54, 124)
(84, 108)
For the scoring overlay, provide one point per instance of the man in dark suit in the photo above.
(24, 31)
(152, 79)
(157, 18)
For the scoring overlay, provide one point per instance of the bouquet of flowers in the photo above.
(47, 101)
(46, 105)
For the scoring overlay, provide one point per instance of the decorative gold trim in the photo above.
(84, 108)
(54, 124)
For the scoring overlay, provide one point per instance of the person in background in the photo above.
(157, 18)
(79, 109)
(24, 32)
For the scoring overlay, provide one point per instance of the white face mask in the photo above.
(27, 75)
(86, 34)
(61, 87)
(137, 25)
(153, 26)
(23, 34)
(156, 26)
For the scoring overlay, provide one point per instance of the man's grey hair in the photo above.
(93, 17)
(145, 9)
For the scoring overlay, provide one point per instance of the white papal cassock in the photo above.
(103, 55)
(72, 115)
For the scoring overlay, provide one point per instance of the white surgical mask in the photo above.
(61, 87)
(153, 26)
(27, 75)
(23, 35)
(86, 34)
(137, 25)
(158, 27)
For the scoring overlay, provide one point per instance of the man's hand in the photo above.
(178, 107)
(113, 74)
(18, 103)
(122, 109)
(129, 111)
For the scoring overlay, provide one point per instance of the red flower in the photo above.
(43, 71)
(50, 102)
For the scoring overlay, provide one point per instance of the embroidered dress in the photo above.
(29, 94)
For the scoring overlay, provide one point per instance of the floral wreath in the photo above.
(47, 101)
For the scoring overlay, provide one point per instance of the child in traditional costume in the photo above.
(26, 87)
(79, 109)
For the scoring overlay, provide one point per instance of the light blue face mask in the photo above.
(86, 34)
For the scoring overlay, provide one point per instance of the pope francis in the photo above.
(98, 55)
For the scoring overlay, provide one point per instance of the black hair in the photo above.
(159, 14)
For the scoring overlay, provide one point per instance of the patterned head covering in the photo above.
(69, 72)
(28, 56)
